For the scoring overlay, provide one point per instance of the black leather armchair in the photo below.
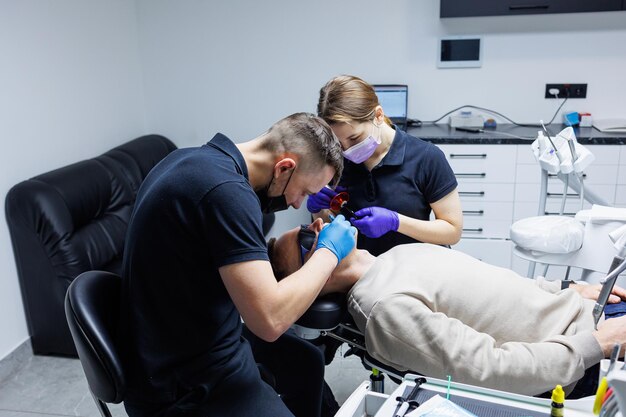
(69, 221)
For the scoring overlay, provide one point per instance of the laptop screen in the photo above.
(393, 99)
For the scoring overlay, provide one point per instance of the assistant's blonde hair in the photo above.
(347, 98)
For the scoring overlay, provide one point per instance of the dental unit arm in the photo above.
(562, 155)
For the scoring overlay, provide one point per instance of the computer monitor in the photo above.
(393, 98)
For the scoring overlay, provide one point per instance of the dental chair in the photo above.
(568, 239)
(328, 317)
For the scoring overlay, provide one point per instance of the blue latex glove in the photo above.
(321, 201)
(338, 237)
(376, 221)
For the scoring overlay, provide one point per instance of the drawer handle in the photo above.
(477, 230)
(472, 193)
(555, 175)
(471, 175)
(550, 195)
(468, 155)
(474, 212)
(549, 213)
(528, 6)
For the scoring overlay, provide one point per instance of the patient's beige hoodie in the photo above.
(440, 312)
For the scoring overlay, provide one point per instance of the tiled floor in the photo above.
(51, 386)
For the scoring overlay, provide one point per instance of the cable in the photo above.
(432, 122)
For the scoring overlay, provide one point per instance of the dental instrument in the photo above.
(617, 267)
(338, 204)
(558, 153)
(613, 357)
(559, 156)
(409, 401)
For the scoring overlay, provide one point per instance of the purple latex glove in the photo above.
(321, 201)
(376, 221)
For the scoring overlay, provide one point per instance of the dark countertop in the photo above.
(444, 134)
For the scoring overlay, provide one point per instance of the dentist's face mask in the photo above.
(274, 204)
(362, 151)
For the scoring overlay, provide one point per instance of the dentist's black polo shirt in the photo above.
(413, 175)
(194, 213)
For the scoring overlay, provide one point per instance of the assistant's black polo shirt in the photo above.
(195, 212)
(412, 175)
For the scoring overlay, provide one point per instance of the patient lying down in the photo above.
(440, 312)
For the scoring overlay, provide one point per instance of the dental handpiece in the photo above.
(346, 211)
(572, 149)
(617, 267)
(556, 150)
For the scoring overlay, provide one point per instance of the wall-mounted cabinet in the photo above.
(466, 8)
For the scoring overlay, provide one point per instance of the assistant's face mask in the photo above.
(274, 204)
(362, 151)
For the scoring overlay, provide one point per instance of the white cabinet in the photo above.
(486, 177)
(493, 251)
(620, 189)
(500, 184)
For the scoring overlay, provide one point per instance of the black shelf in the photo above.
(468, 8)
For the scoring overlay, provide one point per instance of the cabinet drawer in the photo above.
(525, 154)
(530, 192)
(486, 228)
(527, 209)
(620, 195)
(485, 192)
(528, 174)
(621, 172)
(487, 210)
(605, 154)
(482, 163)
(494, 252)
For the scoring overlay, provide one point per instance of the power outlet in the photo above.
(567, 90)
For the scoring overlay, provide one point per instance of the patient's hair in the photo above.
(271, 253)
(309, 137)
(347, 98)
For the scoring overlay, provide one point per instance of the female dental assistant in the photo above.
(394, 180)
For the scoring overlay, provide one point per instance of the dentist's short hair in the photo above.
(309, 137)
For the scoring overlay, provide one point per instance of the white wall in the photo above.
(70, 89)
(73, 75)
(237, 66)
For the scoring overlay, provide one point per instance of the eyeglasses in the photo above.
(306, 238)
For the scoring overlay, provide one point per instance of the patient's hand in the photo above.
(610, 332)
(593, 291)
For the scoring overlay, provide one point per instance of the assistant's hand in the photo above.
(593, 291)
(320, 201)
(376, 221)
(338, 237)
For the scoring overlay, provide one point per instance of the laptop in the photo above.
(394, 98)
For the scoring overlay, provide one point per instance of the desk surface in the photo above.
(444, 134)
